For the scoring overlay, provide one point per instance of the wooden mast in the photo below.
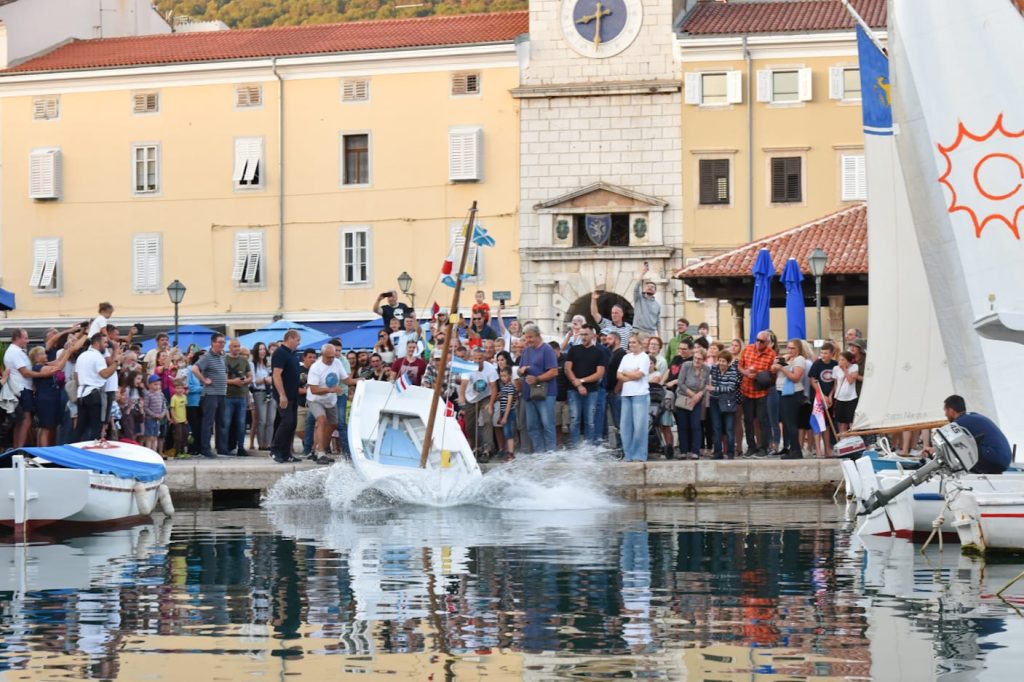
(428, 437)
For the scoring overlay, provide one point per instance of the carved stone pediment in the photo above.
(602, 197)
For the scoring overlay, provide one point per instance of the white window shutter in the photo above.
(764, 86)
(248, 159)
(45, 174)
(45, 108)
(835, 82)
(241, 256)
(355, 90)
(52, 250)
(145, 102)
(146, 265)
(252, 264)
(804, 85)
(240, 159)
(693, 88)
(458, 240)
(854, 180)
(464, 154)
(38, 262)
(734, 87)
(248, 95)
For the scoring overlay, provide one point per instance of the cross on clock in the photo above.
(601, 28)
(599, 11)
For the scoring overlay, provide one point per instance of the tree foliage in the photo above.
(258, 13)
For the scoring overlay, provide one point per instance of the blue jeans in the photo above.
(343, 423)
(688, 423)
(633, 426)
(588, 405)
(214, 424)
(773, 419)
(723, 424)
(614, 404)
(235, 410)
(540, 420)
(600, 408)
(307, 437)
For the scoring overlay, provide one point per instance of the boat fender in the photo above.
(163, 496)
(145, 508)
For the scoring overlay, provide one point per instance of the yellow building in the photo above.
(286, 171)
(772, 131)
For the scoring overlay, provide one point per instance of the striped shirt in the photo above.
(623, 332)
(213, 368)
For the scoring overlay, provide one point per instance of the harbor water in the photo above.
(532, 580)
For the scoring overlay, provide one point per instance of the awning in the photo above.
(94, 460)
(6, 300)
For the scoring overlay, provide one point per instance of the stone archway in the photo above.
(581, 306)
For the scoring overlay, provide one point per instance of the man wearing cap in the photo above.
(392, 309)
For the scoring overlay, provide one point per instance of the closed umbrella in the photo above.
(796, 311)
(760, 310)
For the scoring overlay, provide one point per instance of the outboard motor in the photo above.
(955, 450)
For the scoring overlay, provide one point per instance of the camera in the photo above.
(782, 361)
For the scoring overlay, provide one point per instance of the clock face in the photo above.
(601, 28)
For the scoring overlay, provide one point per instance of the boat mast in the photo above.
(428, 437)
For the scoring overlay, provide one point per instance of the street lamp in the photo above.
(818, 260)
(176, 290)
(405, 284)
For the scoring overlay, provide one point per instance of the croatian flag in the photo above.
(402, 384)
(818, 424)
(449, 409)
(460, 366)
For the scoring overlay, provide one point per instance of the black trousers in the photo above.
(756, 409)
(214, 424)
(90, 416)
(789, 413)
(195, 425)
(284, 430)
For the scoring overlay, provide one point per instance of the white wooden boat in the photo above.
(93, 485)
(386, 431)
(988, 521)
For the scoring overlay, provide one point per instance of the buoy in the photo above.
(145, 508)
(163, 495)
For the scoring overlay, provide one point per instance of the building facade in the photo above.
(293, 172)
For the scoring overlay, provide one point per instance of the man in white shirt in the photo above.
(477, 392)
(17, 363)
(93, 370)
(325, 381)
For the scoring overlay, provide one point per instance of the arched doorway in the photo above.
(581, 306)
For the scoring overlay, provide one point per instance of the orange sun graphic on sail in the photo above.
(985, 176)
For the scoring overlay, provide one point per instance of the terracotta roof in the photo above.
(722, 18)
(176, 48)
(843, 236)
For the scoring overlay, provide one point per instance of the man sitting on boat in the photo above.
(994, 454)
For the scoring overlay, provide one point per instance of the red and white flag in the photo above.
(402, 383)
(818, 423)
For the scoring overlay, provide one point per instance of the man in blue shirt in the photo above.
(994, 454)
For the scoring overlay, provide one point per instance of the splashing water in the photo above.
(562, 480)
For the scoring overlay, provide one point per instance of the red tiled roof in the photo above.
(843, 235)
(718, 18)
(254, 43)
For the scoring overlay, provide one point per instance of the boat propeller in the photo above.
(955, 451)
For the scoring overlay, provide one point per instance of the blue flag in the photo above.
(875, 91)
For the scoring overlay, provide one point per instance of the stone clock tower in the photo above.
(600, 157)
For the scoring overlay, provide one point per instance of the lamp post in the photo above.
(176, 291)
(818, 260)
(405, 284)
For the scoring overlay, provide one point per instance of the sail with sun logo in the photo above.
(959, 114)
(906, 364)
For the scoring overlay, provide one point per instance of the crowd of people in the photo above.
(606, 381)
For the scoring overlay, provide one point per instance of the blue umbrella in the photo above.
(187, 335)
(363, 337)
(760, 310)
(796, 311)
(276, 331)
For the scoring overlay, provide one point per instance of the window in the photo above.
(248, 96)
(45, 265)
(46, 108)
(784, 86)
(787, 185)
(355, 256)
(146, 168)
(854, 177)
(145, 102)
(466, 83)
(45, 174)
(465, 157)
(844, 83)
(475, 259)
(355, 90)
(355, 159)
(146, 262)
(248, 269)
(690, 295)
(248, 172)
(714, 89)
(714, 181)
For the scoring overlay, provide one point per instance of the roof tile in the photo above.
(176, 48)
(723, 18)
(843, 235)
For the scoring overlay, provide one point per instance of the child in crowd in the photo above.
(506, 414)
(845, 396)
(480, 306)
(179, 419)
(154, 406)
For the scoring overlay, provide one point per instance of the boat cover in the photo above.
(95, 460)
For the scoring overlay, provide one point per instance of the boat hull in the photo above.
(988, 521)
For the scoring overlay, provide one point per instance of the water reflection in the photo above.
(730, 590)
